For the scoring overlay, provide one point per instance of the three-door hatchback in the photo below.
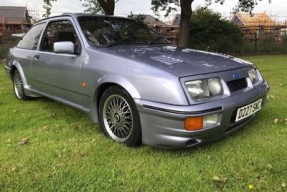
(139, 87)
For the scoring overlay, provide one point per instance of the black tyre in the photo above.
(119, 117)
(18, 86)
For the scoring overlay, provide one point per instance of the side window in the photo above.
(31, 39)
(57, 31)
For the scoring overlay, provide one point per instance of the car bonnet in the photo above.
(180, 62)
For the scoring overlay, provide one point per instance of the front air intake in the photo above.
(237, 84)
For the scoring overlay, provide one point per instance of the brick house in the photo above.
(14, 20)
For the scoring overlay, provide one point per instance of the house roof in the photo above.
(13, 15)
(245, 19)
(176, 20)
(152, 21)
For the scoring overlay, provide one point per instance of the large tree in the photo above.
(186, 12)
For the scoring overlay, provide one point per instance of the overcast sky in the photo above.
(277, 8)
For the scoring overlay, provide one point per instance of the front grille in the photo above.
(237, 84)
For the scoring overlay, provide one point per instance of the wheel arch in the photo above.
(104, 84)
(17, 66)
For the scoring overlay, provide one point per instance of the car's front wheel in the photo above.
(18, 86)
(119, 117)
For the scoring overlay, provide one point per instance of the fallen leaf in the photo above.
(283, 185)
(59, 154)
(215, 178)
(271, 96)
(276, 121)
(45, 128)
(219, 179)
(14, 169)
(269, 166)
(23, 141)
(250, 186)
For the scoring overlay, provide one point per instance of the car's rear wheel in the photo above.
(18, 86)
(119, 116)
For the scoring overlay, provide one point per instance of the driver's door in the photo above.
(58, 74)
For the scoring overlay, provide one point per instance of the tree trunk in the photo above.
(185, 18)
(108, 6)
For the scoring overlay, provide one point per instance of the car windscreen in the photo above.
(108, 31)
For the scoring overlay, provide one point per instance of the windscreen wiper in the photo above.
(120, 41)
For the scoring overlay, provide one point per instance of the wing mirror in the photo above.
(64, 47)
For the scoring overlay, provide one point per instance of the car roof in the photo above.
(75, 15)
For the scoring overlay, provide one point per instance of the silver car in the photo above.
(139, 87)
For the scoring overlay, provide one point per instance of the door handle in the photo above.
(36, 57)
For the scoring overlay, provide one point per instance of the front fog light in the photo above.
(211, 120)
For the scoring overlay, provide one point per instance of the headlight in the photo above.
(214, 86)
(253, 75)
(198, 88)
(204, 88)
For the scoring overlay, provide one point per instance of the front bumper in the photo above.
(163, 125)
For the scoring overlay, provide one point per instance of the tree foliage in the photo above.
(106, 7)
(47, 6)
(138, 17)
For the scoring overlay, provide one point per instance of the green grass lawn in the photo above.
(47, 146)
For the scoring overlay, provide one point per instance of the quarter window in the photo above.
(31, 39)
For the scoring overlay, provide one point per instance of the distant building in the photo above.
(14, 20)
(150, 21)
(247, 20)
(176, 20)
(255, 26)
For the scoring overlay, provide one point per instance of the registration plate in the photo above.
(248, 110)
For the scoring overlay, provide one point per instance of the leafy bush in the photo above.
(4, 50)
(6, 44)
(210, 32)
